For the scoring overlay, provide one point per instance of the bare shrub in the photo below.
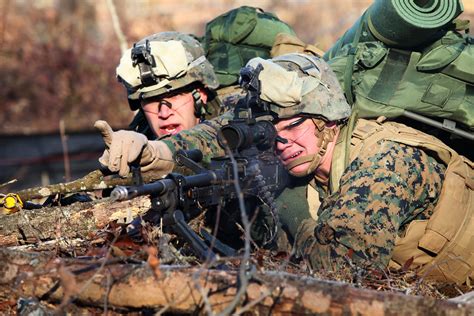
(58, 69)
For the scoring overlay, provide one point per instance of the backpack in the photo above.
(425, 86)
(237, 36)
(437, 82)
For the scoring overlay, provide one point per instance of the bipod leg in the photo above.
(199, 246)
(218, 245)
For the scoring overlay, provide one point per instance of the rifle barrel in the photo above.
(122, 193)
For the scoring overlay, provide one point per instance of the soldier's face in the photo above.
(301, 141)
(171, 115)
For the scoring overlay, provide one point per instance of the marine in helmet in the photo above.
(366, 193)
(385, 189)
(170, 82)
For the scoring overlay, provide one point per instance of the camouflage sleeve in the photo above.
(379, 194)
(202, 136)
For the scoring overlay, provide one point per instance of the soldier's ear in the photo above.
(203, 94)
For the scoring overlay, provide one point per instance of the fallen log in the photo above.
(191, 289)
(78, 220)
(94, 180)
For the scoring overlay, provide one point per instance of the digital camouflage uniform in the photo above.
(379, 193)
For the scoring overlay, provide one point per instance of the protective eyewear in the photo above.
(293, 131)
(153, 108)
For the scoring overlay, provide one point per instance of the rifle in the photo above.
(250, 170)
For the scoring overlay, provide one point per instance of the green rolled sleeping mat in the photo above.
(402, 23)
(411, 23)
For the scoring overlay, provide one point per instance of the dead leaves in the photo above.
(153, 261)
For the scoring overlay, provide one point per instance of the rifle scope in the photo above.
(241, 135)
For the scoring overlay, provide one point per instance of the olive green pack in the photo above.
(237, 36)
(412, 61)
(434, 82)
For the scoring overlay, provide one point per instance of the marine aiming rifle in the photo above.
(249, 170)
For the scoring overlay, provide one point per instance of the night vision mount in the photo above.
(141, 56)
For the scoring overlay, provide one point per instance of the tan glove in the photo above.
(124, 147)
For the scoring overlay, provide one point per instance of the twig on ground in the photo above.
(243, 273)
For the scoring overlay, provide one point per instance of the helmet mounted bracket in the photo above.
(141, 56)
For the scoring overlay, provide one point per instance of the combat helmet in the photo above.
(163, 63)
(303, 85)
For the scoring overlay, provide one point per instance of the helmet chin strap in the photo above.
(199, 106)
(324, 136)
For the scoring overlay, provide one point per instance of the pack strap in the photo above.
(461, 25)
(340, 159)
(350, 62)
(391, 75)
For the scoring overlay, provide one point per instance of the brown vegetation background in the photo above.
(58, 58)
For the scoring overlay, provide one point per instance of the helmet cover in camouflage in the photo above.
(176, 60)
(300, 84)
